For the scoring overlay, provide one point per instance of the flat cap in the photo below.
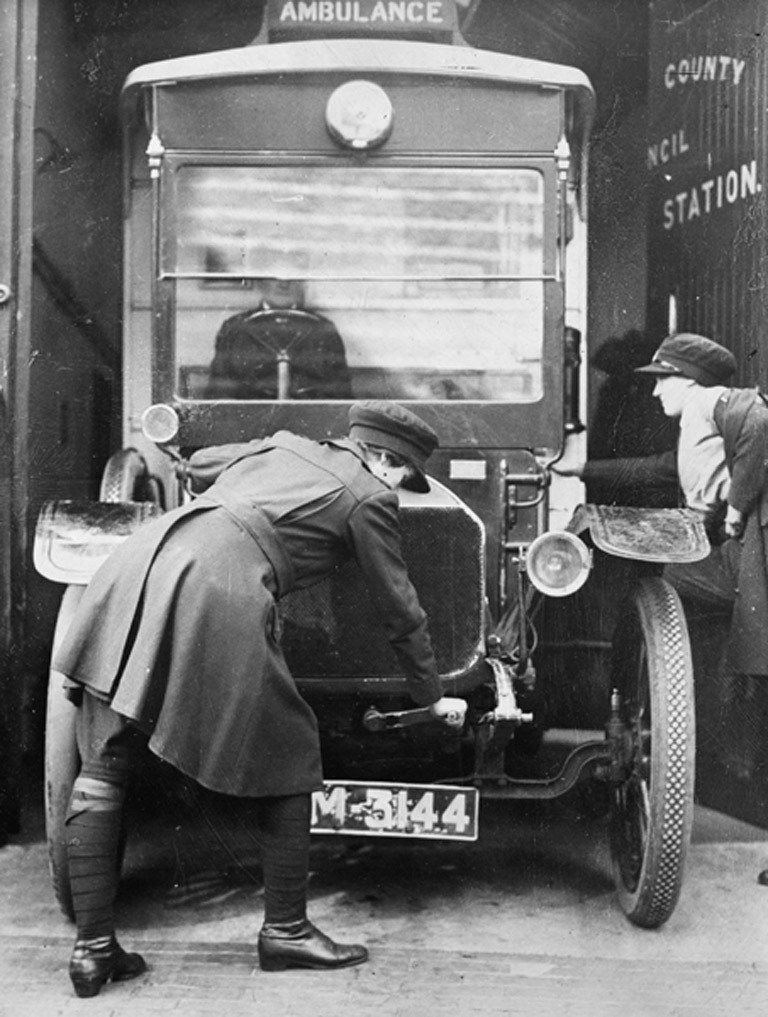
(692, 356)
(394, 428)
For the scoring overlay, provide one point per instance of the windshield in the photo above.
(308, 282)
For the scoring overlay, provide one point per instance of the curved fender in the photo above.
(644, 534)
(73, 538)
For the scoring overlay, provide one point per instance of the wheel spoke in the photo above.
(645, 810)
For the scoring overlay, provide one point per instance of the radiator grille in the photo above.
(331, 629)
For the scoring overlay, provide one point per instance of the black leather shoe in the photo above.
(96, 961)
(301, 945)
(762, 877)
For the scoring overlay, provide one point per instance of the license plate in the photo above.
(373, 809)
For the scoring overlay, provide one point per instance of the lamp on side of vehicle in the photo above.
(558, 563)
(160, 423)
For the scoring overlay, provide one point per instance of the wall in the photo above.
(17, 79)
(8, 281)
(77, 262)
(708, 171)
(74, 324)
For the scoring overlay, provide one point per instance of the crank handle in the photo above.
(515, 715)
(375, 720)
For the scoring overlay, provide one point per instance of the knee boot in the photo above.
(288, 938)
(93, 838)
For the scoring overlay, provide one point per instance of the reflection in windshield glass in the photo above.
(395, 283)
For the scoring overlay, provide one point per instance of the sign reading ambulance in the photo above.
(288, 19)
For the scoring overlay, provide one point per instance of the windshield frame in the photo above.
(542, 417)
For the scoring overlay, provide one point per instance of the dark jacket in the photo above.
(742, 419)
(656, 472)
(179, 631)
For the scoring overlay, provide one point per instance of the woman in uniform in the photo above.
(176, 643)
(721, 467)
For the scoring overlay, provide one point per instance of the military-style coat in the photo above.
(742, 418)
(178, 629)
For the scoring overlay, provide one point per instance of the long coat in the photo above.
(179, 630)
(742, 418)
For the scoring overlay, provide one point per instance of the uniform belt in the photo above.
(257, 525)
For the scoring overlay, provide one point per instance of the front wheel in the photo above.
(652, 805)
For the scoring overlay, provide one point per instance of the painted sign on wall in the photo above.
(706, 156)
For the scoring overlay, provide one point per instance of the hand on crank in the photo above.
(450, 711)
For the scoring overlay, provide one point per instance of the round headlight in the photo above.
(160, 423)
(359, 115)
(558, 563)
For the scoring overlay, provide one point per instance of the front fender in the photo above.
(73, 538)
(644, 534)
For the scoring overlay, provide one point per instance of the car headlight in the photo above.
(160, 423)
(558, 563)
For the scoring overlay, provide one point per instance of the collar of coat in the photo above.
(349, 445)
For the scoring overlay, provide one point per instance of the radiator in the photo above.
(331, 629)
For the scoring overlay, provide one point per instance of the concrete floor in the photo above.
(522, 922)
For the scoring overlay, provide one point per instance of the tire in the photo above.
(125, 477)
(652, 806)
(62, 760)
